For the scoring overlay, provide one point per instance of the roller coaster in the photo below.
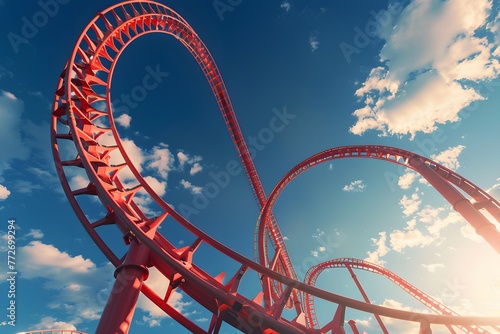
(82, 118)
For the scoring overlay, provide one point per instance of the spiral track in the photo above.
(82, 119)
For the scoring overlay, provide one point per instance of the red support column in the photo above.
(425, 328)
(459, 202)
(336, 326)
(365, 297)
(352, 323)
(119, 310)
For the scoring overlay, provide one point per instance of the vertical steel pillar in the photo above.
(119, 310)
(337, 324)
(365, 297)
(459, 202)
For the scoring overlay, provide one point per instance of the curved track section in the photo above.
(314, 272)
(85, 142)
(443, 179)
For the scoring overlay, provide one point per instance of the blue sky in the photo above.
(419, 75)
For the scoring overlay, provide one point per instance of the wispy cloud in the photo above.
(382, 250)
(150, 321)
(409, 237)
(433, 266)
(406, 180)
(187, 159)
(430, 63)
(400, 326)
(435, 221)
(313, 43)
(192, 188)
(410, 205)
(76, 282)
(431, 220)
(52, 323)
(13, 146)
(161, 160)
(26, 187)
(495, 190)
(449, 157)
(33, 233)
(355, 186)
(319, 233)
(286, 5)
(9, 95)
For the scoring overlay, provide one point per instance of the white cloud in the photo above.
(286, 6)
(400, 326)
(79, 182)
(430, 57)
(319, 233)
(192, 188)
(495, 190)
(364, 323)
(161, 160)
(53, 323)
(406, 180)
(135, 153)
(429, 214)
(314, 253)
(321, 249)
(202, 320)
(314, 43)
(399, 240)
(9, 95)
(26, 187)
(449, 157)
(41, 260)
(410, 205)
(4, 192)
(159, 283)
(431, 217)
(79, 286)
(382, 250)
(144, 202)
(433, 266)
(195, 168)
(151, 321)
(470, 233)
(185, 158)
(124, 120)
(12, 147)
(159, 187)
(34, 233)
(355, 186)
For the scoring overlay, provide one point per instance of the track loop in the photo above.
(83, 123)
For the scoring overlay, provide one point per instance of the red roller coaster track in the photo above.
(443, 179)
(79, 121)
(350, 263)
